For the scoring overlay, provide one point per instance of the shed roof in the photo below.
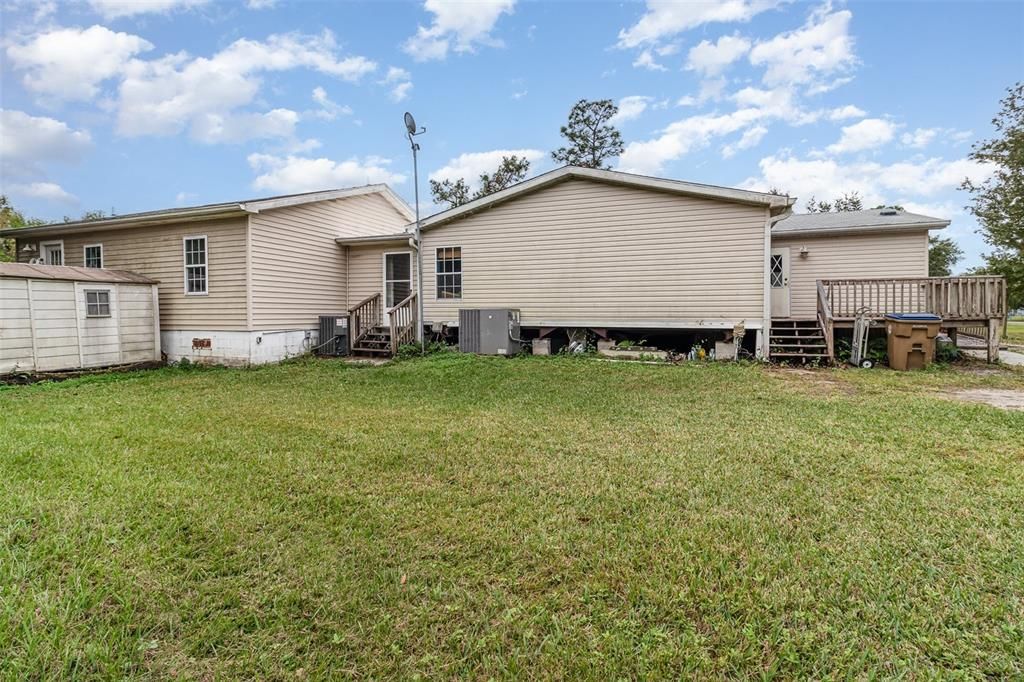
(873, 220)
(207, 211)
(72, 274)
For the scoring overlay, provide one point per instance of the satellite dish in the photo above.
(410, 123)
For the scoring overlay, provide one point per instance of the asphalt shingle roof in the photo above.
(856, 220)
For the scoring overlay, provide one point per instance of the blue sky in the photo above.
(143, 104)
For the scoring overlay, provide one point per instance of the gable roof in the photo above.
(206, 211)
(71, 274)
(845, 222)
(777, 204)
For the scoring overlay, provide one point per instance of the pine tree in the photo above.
(592, 139)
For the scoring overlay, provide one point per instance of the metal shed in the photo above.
(55, 317)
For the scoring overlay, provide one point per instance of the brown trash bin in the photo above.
(911, 339)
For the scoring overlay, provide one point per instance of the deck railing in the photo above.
(952, 298)
(403, 319)
(363, 318)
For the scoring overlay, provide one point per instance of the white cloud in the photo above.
(261, 4)
(47, 191)
(167, 95)
(712, 90)
(756, 108)
(400, 81)
(666, 18)
(293, 174)
(645, 60)
(710, 59)
(845, 112)
(216, 128)
(820, 48)
(629, 108)
(114, 9)
(470, 166)
(70, 63)
(183, 198)
(899, 183)
(866, 134)
(27, 141)
(519, 94)
(329, 109)
(751, 138)
(458, 26)
(920, 138)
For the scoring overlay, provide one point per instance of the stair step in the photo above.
(800, 355)
(361, 349)
(797, 336)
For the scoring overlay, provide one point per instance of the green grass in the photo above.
(1015, 331)
(542, 517)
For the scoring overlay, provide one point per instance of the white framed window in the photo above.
(448, 273)
(52, 253)
(97, 303)
(92, 255)
(194, 249)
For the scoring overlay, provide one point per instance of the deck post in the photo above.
(993, 340)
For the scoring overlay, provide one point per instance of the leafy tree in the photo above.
(848, 201)
(511, 170)
(998, 202)
(592, 139)
(943, 254)
(11, 218)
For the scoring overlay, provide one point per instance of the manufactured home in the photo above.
(575, 248)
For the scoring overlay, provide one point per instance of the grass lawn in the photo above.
(481, 517)
(1015, 331)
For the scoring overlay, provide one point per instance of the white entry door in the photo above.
(778, 277)
(52, 253)
(397, 279)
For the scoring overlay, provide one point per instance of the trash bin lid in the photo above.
(914, 317)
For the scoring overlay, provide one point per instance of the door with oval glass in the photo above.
(397, 279)
(778, 277)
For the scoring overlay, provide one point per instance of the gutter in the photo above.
(373, 239)
(867, 229)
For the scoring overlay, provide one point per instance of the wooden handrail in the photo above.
(403, 318)
(363, 318)
(826, 321)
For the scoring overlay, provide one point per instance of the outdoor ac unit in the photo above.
(489, 331)
(333, 339)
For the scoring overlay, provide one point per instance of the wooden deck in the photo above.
(959, 301)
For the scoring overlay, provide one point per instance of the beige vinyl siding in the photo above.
(601, 254)
(157, 252)
(893, 254)
(366, 269)
(15, 325)
(298, 270)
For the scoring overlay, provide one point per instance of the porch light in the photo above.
(29, 248)
(804, 252)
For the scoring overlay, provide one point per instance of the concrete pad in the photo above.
(1005, 399)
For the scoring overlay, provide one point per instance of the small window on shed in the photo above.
(97, 304)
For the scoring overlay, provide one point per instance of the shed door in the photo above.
(778, 277)
(397, 279)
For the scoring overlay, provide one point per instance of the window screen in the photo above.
(449, 272)
(97, 304)
(195, 265)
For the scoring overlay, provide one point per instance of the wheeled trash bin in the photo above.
(911, 339)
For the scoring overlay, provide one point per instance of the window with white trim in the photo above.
(97, 303)
(195, 265)
(52, 253)
(448, 272)
(94, 256)
(777, 270)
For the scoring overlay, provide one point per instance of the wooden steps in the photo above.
(797, 340)
(376, 342)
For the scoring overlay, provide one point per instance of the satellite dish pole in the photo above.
(411, 132)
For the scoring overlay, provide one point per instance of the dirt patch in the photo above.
(1002, 398)
(819, 382)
